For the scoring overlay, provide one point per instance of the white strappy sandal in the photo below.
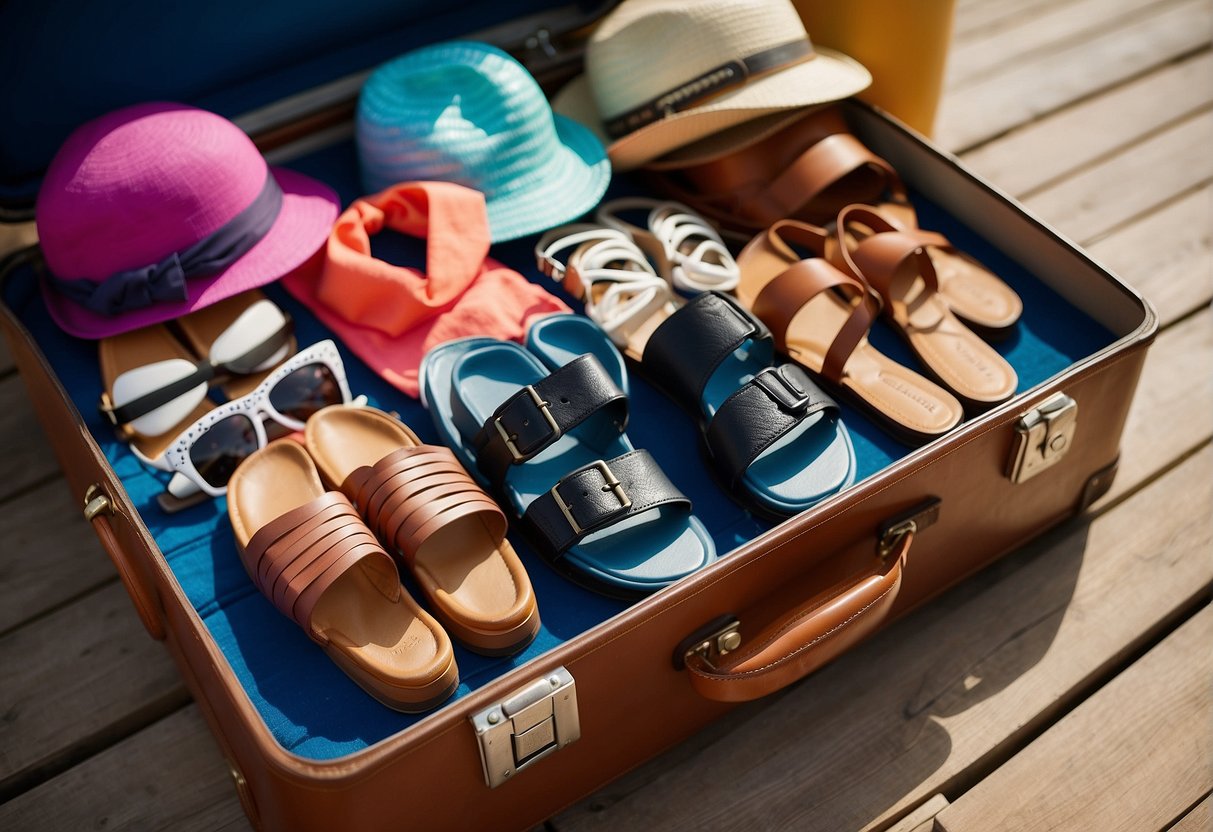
(687, 250)
(610, 273)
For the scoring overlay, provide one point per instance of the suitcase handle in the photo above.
(803, 639)
(97, 510)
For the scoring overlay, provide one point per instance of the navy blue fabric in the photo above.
(77, 60)
(310, 706)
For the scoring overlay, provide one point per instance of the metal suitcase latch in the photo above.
(527, 726)
(1042, 437)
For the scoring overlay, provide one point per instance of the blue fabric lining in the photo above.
(310, 706)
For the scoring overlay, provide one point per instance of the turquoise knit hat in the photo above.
(467, 112)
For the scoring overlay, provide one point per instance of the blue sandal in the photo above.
(774, 438)
(550, 442)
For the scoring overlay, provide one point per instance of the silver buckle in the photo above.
(612, 484)
(542, 406)
(783, 390)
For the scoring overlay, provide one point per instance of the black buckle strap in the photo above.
(612, 485)
(540, 413)
(684, 351)
(785, 386)
(759, 413)
(598, 495)
(520, 412)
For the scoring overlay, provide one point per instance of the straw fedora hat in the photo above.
(660, 74)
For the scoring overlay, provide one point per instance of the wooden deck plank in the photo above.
(949, 691)
(1167, 255)
(27, 459)
(921, 819)
(1198, 819)
(1134, 756)
(75, 682)
(1170, 416)
(50, 554)
(168, 776)
(983, 110)
(975, 17)
(1131, 182)
(1069, 140)
(1027, 37)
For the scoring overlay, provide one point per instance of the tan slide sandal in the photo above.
(311, 554)
(896, 264)
(207, 332)
(975, 294)
(798, 300)
(122, 357)
(447, 532)
(181, 359)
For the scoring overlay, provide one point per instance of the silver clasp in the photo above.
(527, 726)
(1042, 437)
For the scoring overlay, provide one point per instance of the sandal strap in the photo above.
(759, 413)
(599, 495)
(414, 492)
(778, 302)
(673, 224)
(878, 258)
(296, 557)
(540, 413)
(740, 190)
(633, 291)
(814, 172)
(685, 349)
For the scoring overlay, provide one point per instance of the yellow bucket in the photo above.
(904, 43)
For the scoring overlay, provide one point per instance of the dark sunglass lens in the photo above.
(305, 391)
(225, 445)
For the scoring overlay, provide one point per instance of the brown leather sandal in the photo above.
(974, 294)
(806, 167)
(809, 168)
(800, 302)
(896, 264)
(311, 554)
(445, 530)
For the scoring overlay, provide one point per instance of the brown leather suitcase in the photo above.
(548, 730)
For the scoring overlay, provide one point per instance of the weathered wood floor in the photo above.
(1067, 687)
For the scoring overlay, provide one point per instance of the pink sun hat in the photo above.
(156, 210)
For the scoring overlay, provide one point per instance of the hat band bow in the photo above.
(165, 281)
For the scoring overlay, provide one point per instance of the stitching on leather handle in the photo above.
(759, 647)
(737, 677)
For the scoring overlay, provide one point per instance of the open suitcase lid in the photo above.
(74, 61)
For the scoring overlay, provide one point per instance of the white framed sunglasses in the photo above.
(208, 451)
